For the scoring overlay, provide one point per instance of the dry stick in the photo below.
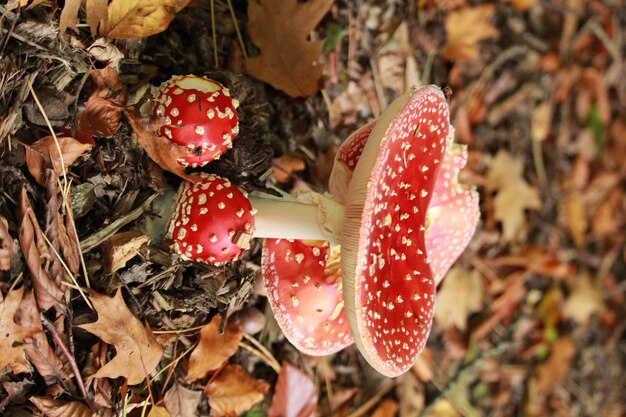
(365, 407)
(263, 349)
(70, 358)
(261, 356)
(239, 37)
(214, 33)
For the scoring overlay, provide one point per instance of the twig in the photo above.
(365, 407)
(261, 355)
(263, 349)
(239, 37)
(214, 33)
(70, 358)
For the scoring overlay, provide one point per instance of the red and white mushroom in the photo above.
(213, 221)
(199, 115)
(303, 283)
(389, 287)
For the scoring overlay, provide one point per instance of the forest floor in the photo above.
(531, 319)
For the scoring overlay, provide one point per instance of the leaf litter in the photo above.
(530, 321)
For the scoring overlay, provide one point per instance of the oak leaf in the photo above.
(233, 391)
(461, 294)
(6, 245)
(13, 334)
(56, 408)
(288, 60)
(45, 153)
(466, 27)
(213, 348)
(584, 300)
(513, 194)
(140, 18)
(181, 401)
(295, 394)
(69, 14)
(137, 350)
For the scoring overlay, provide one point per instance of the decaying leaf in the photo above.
(13, 334)
(140, 18)
(288, 60)
(584, 300)
(461, 294)
(466, 27)
(513, 194)
(233, 391)
(35, 250)
(6, 245)
(39, 352)
(56, 408)
(137, 350)
(295, 394)
(161, 150)
(44, 153)
(103, 109)
(213, 348)
(181, 401)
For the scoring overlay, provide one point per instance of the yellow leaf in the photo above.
(288, 60)
(140, 18)
(465, 28)
(137, 351)
(233, 391)
(157, 411)
(584, 300)
(461, 294)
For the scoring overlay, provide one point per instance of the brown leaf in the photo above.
(69, 15)
(233, 392)
(103, 109)
(513, 196)
(181, 401)
(137, 351)
(6, 245)
(140, 18)
(161, 150)
(281, 29)
(466, 27)
(213, 348)
(121, 248)
(285, 165)
(37, 256)
(553, 372)
(460, 294)
(55, 408)
(294, 395)
(97, 14)
(39, 352)
(13, 334)
(45, 153)
(387, 408)
(584, 300)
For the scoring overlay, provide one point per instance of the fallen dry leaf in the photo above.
(466, 27)
(137, 351)
(39, 352)
(513, 194)
(45, 153)
(213, 348)
(295, 394)
(121, 248)
(181, 401)
(69, 14)
(36, 253)
(56, 408)
(387, 408)
(97, 14)
(574, 214)
(289, 61)
(6, 245)
(158, 411)
(140, 18)
(553, 371)
(103, 109)
(460, 294)
(233, 391)
(13, 334)
(584, 300)
(285, 165)
(161, 150)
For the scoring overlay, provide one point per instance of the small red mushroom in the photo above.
(212, 222)
(303, 283)
(389, 287)
(198, 114)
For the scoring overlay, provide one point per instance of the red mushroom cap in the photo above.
(453, 213)
(388, 285)
(304, 291)
(199, 115)
(346, 159)
(213, 221)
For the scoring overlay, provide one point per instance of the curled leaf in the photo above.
(45, 153)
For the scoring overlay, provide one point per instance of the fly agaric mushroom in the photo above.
(303, 283)
(213, 221)
(389, 287)
(198, 114)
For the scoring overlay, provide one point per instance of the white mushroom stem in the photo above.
(308, 216)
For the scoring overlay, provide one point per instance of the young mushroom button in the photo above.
(388, 285)
(197, 114)
(212, 222)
